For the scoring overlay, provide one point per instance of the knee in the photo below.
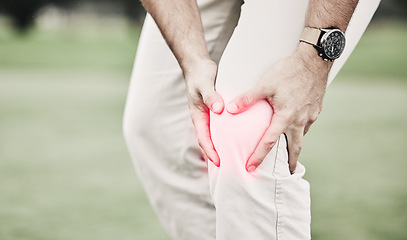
(236, 136)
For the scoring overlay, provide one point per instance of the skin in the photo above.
(294, 86)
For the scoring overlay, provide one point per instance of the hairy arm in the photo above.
(295, 86)
(330, 13)
(325, 14)
(180, 24)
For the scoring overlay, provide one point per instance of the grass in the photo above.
(381, 52)
(65, 173)
(355, 156)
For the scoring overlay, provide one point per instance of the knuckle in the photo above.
(256, 160)
(306, 129)
(269, 144)
(313, 118)
(268, 147)
(296, 151)
(208, 98)
(246, 99)
(194, 96)
(301, 120)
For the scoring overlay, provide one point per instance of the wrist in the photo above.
(309, 56)
(189, 65)
(200, 66)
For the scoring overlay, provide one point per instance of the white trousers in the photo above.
(199, 202)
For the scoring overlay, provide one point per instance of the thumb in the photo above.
(244, 101)
(213, 101)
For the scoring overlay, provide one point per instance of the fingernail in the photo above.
(217, 107)
(232, 108)
(251, 169)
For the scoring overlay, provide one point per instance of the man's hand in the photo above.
(180, 24)
(202, 97)
(294, 87)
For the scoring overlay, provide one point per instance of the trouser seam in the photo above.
(278, 197)
(275, 159)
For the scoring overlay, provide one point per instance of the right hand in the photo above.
(200, 81)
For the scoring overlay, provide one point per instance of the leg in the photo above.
(269, 203)
(159, 132)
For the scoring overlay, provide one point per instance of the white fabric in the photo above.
(267, 204)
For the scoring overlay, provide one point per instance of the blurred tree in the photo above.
(134, 10)
(23, 12)
(392, 9)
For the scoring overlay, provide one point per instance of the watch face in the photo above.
(333, 44)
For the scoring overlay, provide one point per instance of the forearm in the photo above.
(330, 13)
(325, 14)
(180, 24)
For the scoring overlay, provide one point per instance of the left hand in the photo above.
(200, 81)
(294, 87)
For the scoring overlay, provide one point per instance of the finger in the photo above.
(294, 145)
(201, 123)
(213, 100)
(244, 101)
(307, 128)
(267, 142)
(312, 119)
(205, 158)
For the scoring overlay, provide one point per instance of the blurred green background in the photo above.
(64, 170)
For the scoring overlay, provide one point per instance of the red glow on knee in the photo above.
(236, 136)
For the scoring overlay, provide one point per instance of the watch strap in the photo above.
(310, 35)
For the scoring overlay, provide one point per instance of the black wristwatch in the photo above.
(329, 42)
